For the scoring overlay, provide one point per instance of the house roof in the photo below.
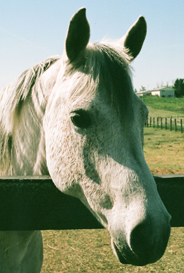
(156, 89)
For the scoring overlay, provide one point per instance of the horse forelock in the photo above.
(105, 66)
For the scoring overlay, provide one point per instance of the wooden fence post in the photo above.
(166, 123)
(159, 122)
(146, 123)
(175, 125)
(181, 126)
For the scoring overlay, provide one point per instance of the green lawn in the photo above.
(164, 151)
(164, 107)
(89, 251)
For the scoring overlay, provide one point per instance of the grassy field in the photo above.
(90, 251)
(164, 107)
(164, 150)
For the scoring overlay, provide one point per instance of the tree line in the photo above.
(179, 88)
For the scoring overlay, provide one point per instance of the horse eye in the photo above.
(81, 119)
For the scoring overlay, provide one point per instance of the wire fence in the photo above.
(172, 124)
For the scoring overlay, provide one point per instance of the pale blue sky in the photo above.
(31, 31)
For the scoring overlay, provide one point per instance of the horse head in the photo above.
(94, 141)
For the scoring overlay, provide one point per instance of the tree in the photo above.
(143, 88)
(179, 88)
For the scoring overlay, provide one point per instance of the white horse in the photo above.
(77, 118)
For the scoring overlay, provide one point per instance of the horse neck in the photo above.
(23, 145)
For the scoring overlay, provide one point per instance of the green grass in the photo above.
(164, 113)
(164, 107)
(164, 151)
(90, 251)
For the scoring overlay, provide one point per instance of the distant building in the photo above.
(164, 92)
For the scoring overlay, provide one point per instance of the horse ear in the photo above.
(135, 36)
(78, 35)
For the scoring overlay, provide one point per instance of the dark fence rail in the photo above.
(172, 124)
(34, 203)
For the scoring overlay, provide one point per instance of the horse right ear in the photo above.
(135, 37)
(78, 35)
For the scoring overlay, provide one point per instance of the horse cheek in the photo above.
(64, 160)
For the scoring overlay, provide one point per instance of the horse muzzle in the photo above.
(144, 245)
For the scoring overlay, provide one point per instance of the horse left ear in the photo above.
(135, 36)
(78, 35)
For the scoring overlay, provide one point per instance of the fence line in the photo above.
(166, 123)
(34, 203)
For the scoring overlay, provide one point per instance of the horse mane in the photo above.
(11, 101)
(13, 95)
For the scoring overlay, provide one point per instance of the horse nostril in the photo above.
(148, 242)
(140, 239)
